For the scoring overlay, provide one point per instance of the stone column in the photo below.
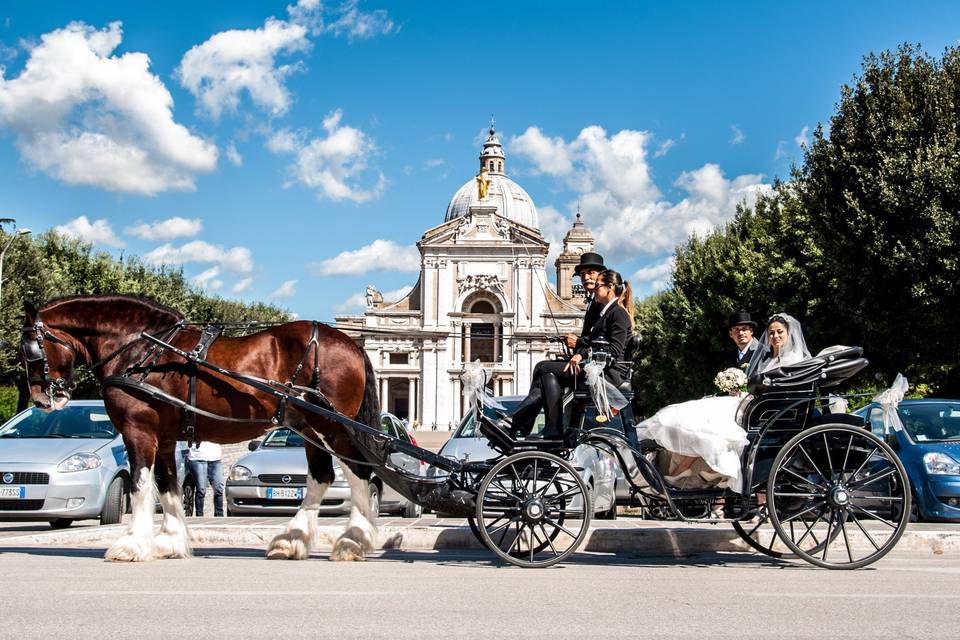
(384, 393)
(411, 400)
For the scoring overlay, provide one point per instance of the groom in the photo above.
(740, 327)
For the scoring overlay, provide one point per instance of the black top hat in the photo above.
(741, 317)
(589, 259)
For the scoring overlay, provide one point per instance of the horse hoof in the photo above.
(169, 546)
(129, 549)
(347, 550)
(287, 547)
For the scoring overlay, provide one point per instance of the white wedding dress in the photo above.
(707, 428)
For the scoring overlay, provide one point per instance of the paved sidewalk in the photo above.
(625, 535)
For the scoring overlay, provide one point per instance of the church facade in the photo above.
(482, 295)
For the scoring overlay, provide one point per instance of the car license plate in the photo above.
(280, 493)
(13, 492)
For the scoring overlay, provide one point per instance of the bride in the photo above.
(705, 440)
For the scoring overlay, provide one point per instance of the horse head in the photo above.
(49, 359)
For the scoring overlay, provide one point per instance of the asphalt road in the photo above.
(230, 593)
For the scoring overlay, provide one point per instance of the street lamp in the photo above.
(21, 232)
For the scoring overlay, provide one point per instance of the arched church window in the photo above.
(491, 165)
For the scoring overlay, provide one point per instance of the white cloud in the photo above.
(434, 162)
(665, 147)
(165, 230)
(621, 205)
(233, 155)
(235, 259)
(335, 165)
(384, 255)
(232, 62)
(87, 117)
(286, 290)
(549, 155)
(358, 301)
(738, 136)
(343, 20)
(208, 279)
(657, 275)
(802, 139)
(242, 286)
(98, 232)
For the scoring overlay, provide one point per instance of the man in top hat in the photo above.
(741, 327)
(590, 267)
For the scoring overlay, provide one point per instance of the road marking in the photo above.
(233, 593)
(858, 596)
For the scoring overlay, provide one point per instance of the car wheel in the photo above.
(61, 523)
(374, 499)
(412, 510)
(609, 514)
(188, 493)
(115, 504)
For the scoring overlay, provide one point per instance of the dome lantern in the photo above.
(492, 157)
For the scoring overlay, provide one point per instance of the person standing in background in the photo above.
(204, 462)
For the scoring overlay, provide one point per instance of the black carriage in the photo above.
(834, 494)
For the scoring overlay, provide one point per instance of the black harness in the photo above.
(34, 351)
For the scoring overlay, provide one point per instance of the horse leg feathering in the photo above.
(137, 544)
(360, 535)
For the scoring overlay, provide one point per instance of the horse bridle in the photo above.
(34, 351)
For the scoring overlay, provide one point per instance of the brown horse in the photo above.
(104, 333)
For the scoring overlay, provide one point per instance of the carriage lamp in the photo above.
(79, 462)
(600, 351)
(940, 464)
(240, 472)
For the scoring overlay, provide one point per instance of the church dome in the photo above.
(511, 201)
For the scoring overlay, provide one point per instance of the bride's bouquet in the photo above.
(731, 381)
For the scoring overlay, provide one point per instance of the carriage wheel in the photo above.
(844, 486)
(533, 509)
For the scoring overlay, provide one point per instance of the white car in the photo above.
(272, 479)
(598, 466)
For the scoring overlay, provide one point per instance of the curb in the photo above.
(653, 539)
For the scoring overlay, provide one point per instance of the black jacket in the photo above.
(736, 360)
(590, 317)
(614, 326)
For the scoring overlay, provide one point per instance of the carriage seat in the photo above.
(827, 369)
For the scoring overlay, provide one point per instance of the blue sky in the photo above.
(295, 154)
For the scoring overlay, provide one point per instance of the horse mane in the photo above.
(146, 301)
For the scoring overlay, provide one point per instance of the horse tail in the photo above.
(369, 413)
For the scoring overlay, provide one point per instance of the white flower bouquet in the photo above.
(731, 381)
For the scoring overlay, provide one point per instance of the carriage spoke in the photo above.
(757, 526)
(884, 498)
(542, 492)
(846, 456)
(802, 479)
(846, 540)
(874, 516)
(826, 543)
(506, 530)
(560, 526)
(812, 463)
(865, 461)
(826, 446)
(796, 495)
(872, 479)
(802, 513)
(865, 532)
(507, 491)
(549, 540)
(554, 499)
(809, 529)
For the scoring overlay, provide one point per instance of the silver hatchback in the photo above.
(272, 479)
(63, 466)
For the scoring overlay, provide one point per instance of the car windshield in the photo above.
(931, 421)
(69, 422)
(282, 438)
(468, 426)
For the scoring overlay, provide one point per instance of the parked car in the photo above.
(272, 479)
(598, 467)
(929, 448)
(66, 465)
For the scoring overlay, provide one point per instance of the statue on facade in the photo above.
(483, 183)
(374, 297)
